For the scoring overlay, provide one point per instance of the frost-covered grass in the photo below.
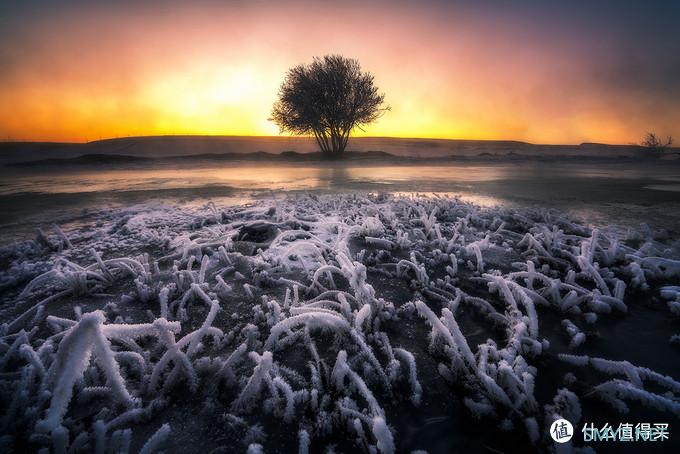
(281, 317)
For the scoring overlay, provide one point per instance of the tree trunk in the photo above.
(333, 146)
(339, 144)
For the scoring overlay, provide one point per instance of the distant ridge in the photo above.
(236, 147)
(376, 157)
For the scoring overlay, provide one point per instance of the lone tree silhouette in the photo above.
(328, 98)
(654, 142)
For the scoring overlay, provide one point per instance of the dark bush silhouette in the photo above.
(654, 142)
(328, 98)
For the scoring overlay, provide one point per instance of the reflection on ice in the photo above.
(598, 193)
(284, 177)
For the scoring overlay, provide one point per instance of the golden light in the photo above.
(210, 99)
(92, 74)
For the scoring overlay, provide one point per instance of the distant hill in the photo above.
(258, 156)
(125, 150)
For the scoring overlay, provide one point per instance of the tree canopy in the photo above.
(328, 99)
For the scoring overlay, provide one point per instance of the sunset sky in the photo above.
(542, 71)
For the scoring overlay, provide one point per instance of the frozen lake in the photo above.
(601, 193)
(343, 268)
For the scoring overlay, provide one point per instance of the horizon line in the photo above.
(255, 136)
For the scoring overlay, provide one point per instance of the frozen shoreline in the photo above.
(264, 299)
(601, 194)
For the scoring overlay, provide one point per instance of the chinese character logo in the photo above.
(561, 431)
(643, 431)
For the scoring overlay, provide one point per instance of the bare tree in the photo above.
(328, 99)
(654, 142)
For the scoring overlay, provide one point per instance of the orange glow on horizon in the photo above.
(100, 74)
